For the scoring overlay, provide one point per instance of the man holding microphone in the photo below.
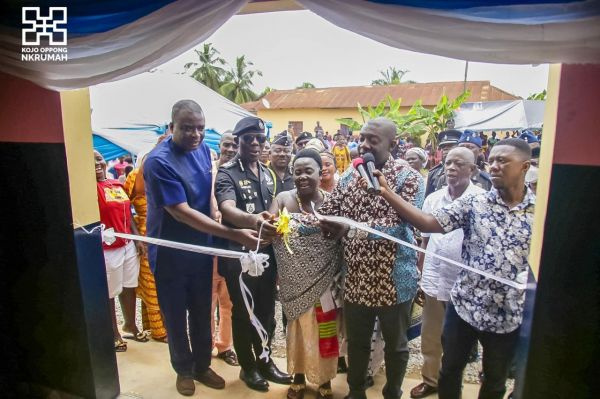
(381, 277)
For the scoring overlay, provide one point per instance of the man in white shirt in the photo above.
(438, 277)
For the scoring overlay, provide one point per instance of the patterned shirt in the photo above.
(496, 240)
(379, 272)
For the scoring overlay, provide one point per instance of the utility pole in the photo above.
(465, 81)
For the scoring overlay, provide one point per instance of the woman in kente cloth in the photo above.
(307, 263)
(151, 315)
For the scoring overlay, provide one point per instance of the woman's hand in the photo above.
(332, 230)
(141, 248)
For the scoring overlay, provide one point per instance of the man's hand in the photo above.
(362, 183)
(141, 248)
(249, 239)
(333, 230)
(269, 231)
(216, 216)
(420, 297)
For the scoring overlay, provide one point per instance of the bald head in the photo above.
(377, 137)
(227, 136)
(463, 153)
(185, 105)
(459, 166)
(382, 127)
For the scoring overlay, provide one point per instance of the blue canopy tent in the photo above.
(110, 150)
(129, 115)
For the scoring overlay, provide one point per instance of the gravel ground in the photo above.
(415, 361)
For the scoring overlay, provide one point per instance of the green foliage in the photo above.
(235, 83)
(238, 81)
(418, 121)
(266, 91)
(208, 70)
(538, 96)
(306, 85)
(391, 76)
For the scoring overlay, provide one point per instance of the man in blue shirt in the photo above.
(178, 179)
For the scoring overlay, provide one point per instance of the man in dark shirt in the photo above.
(244, 191)
(280, 157)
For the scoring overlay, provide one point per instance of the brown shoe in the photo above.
(185, 385)
(422, 390)
(210, 379)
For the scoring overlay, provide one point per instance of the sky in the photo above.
(292, 47)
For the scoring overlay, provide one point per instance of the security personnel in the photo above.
(280, 166)
(448, 139)
(302, 139)
(244, 190)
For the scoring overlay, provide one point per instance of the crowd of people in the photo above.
(339, 286)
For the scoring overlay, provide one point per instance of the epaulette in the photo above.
(228, 165)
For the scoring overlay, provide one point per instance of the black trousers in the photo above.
(458, 338)
(360, 321)
(184, 289)
(246, 341)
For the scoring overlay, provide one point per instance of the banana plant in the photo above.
(418, 121)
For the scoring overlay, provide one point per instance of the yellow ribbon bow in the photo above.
(283, 228)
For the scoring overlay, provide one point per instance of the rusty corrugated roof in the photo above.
(348, 97)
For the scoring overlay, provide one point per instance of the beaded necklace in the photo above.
(302, 206)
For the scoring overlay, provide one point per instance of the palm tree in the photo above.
(208, 71)
(266, 91)
(391, 76)
(306, 85)
(238, 81)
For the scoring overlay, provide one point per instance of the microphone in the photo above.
(370, 161)
(358, 164)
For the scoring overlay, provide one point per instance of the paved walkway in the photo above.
(145, 372)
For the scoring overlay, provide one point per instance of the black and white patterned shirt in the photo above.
(496, 240)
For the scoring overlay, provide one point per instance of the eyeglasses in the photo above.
(249, 138)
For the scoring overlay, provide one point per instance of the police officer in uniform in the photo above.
(447, 139)
(302, 139)
(280, 166)
(244, 190)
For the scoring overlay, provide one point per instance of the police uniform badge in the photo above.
(261, 125)
(250, 208)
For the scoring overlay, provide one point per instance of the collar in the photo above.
(286, 175)
(467, 191)
(528, 199)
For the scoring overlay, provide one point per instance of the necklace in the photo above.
(301, 206)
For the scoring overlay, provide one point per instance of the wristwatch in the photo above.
(351, 232)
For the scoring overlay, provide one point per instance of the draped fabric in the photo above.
(112, 40)
(125, 50)
(523, 32)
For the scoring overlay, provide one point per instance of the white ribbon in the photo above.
(520, 284)
(255, 264)
(252, 262)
